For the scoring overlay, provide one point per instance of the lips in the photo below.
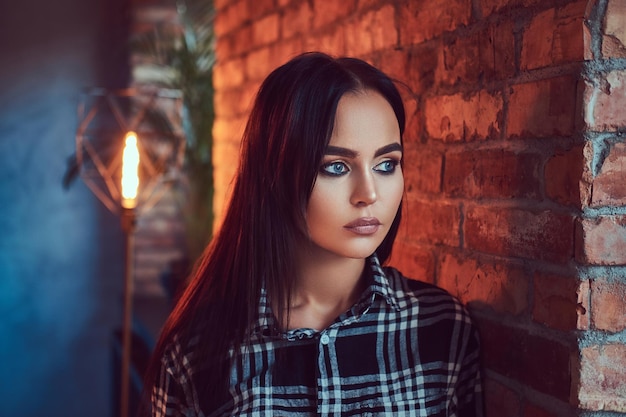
(364, 226)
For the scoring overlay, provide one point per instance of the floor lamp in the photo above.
(129, 151)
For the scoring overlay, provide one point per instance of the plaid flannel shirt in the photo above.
(406, 348)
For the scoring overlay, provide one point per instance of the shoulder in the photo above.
(178, 355)
(436, 317)
(427, 299)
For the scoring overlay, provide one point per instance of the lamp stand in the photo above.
(128, 227)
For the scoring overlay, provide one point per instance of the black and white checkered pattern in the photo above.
(406, 348)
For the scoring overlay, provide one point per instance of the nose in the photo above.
(364, 190)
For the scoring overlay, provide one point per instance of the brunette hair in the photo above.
(283, 144)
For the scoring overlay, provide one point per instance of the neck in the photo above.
(329, 282)
(327, 286)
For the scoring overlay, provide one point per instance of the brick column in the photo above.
(601, 229)
(515, 197)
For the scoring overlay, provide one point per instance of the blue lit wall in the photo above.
(61, 251)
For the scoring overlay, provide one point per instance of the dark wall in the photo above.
(61, 251)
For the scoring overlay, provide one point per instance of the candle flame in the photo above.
(130, 171)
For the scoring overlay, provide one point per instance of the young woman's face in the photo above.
(359, 184)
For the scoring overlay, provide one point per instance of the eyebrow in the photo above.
(349, 153)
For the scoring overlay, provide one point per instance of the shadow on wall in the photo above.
(60, 252)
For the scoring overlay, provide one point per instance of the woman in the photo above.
(289, 312)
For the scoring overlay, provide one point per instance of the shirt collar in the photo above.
(267, 325)
(380, 282)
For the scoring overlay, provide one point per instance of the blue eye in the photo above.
(387, 167)
(334, 169)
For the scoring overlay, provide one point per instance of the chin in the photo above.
(359, 248)
(358, 253)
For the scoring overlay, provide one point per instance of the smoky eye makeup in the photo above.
(334, 169)
(387, 167)
(337, 167)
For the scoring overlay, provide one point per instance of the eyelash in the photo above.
(325, 168)
(394, 164)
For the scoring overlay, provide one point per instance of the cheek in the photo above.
(320, 204)
(394, 191)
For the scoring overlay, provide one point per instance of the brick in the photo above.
(612, 48)
(495, 49)
(159, 256)
(605, 103)
(332, 42)
(235, 44)
(614, 39)
(584, 305)
(515, 232)
(259, 8)
(501, 400)
(230, 17)
(258, 64)
(422, 61)
(357, 43)
(609, 185)
(325, 12)
(373, 31)
(542, 364)
(227, 130)
(369, 4)
(554, 37)
(266, 30)
(590, 148)
(601, 240)
(165, 16)
(381, 27)
(422, 169)
(588, 52)
(557, 301)
(489, 7)
(458, 61)
(413, 260)
(562, 176)
(501, 286)
(492, 173)
(608, 305)
(543, 108)
(149, 239)
(226, 160)
(457, 118)
(394, 63)
(232, 102)
(569, 40)
(228, 74)
(531, 410)
(221, 4)
(222, 50)
(603, 372)
(283, 51)
(432, 222)
(441, 17)
(296, 19)
(414, 129)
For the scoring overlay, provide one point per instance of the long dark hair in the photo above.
(283, 144)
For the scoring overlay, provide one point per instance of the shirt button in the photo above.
(324, 339)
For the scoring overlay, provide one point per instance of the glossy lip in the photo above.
(364, 226)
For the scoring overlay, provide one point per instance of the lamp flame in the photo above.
(130, 171)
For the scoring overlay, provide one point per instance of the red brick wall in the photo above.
(515, 189)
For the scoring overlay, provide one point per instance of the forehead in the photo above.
(364, 118)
